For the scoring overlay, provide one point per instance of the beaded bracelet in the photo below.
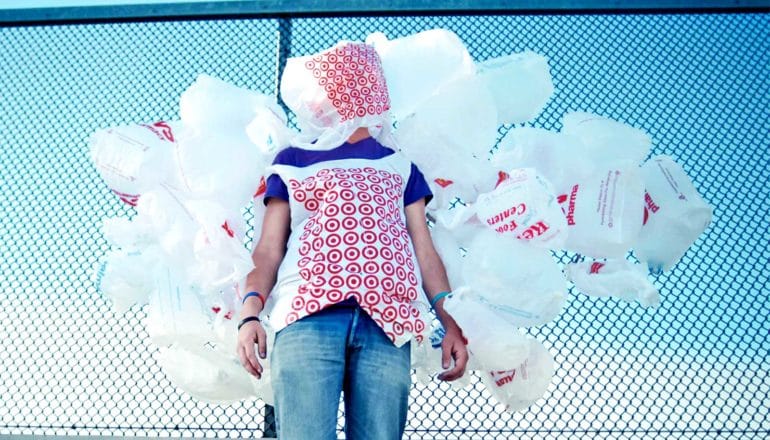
(257, 294)
(437, 298)
(248, 319)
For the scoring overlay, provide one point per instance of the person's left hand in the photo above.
(453, 347)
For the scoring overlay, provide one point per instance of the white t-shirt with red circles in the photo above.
(348, 236)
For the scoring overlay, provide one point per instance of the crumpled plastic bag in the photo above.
(451, 173)
(178, 314)
(208, 374)
(417, 65)
(123, 278)
(674, 214)
(134, 158)
(520, 387)
(334, 92)
(524, 206)
(604, 211)
(493, 341)
(615, 278)
(607, 141)
(556, 156)
(212, 105)
(462, 114)
(522, 283)
(218, 246)
(520, 84)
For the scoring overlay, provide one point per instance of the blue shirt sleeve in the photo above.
(275, 186)
(416, 188)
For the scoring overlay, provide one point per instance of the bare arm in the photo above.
(434, 282)
(267, 256)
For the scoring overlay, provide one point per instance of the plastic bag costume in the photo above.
(496, 217)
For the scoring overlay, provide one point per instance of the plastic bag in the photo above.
(520, 387)
(335, 92)
(126, 278)
(674, 214)
(604, 212)
(416, 66)
(556, 156)
(493, 341)
(520, 83)
(520, 282)
(463, 115)
(524, 206)
(212, 105)
(451, 173)
(177, 314)
(218, 246)
(221, 166)
(134, 158)
(606, 141)
(206, 373)
(614, 278)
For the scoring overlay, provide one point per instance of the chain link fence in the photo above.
(695, 367)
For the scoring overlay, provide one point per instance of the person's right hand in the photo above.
(250, 334)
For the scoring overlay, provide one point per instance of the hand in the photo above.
(453, 347)
(251, 333)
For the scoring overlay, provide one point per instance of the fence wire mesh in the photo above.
(695, 367)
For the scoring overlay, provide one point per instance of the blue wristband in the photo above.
(257, 294)
(437, 298)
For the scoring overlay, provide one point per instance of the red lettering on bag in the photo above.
(443, 182)
(262, 187)
(533, 231)
(502, 176)
(161, 129)
(650, 203)
(519, 209)
(508, 378)
(227, 229)
(131, 199)
(165, 130)
(571, 206)
(596, 266)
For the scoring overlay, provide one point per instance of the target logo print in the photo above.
(352, 76)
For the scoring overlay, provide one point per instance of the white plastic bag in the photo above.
(674, 214)
(520, 83)
(334, 92)
(493, 341)
(221, 166)
(615, 278)
(521, 282)
(556, 156)
(206, 373)
(604, 212)
(127, 278)
(607, 141)
(177, 314)
(463, 115)
(212, 105)
(218, 246)
(451, 172)
(520, 387)
(134, 158)
(524, 206)
(416, 66)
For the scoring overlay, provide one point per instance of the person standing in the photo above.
(343, 261)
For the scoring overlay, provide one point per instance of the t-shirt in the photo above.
(348, 235)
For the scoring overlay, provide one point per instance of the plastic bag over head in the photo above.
(334, 92)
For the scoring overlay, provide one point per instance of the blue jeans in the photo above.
(339, 350)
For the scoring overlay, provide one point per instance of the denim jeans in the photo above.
(339, 350)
